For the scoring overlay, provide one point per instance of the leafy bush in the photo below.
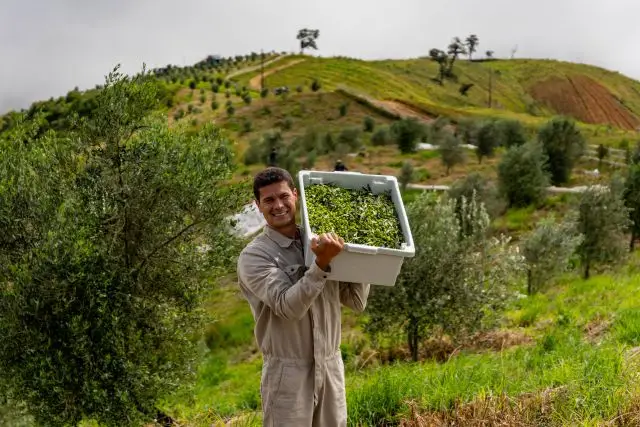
(522, 176)
(487, 139)
(231, 110)
(264, 92)
(192, 84)
(548, 249)
(315, 85)
(343, 109)
(446, 287)
(513, 133)
(247, 98)
(406, 175)
(101, 280)
(299, 89)
(215, 105)
(407, 132)
(203, 99)
(369, 124)
(564, 145)
(603, 220)
(215, 87)
(485, 192)
(381, 137)
(350, 137)
(451, 152)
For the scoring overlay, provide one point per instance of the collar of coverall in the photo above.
(280, 238)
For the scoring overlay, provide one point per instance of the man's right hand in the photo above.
(326, 247)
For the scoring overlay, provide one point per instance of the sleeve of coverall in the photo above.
(272, 286)
(354, 295)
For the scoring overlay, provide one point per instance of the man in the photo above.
(339, 166)
(297, 312)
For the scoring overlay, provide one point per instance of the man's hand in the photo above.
(326, 247)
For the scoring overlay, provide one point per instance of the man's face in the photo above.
(278, 204)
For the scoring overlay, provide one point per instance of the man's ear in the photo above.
(257, 202)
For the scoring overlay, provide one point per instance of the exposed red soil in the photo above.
(585, 99)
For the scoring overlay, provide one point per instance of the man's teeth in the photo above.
(280, 214)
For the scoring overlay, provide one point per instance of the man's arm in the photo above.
(354, 295)
(262, 277)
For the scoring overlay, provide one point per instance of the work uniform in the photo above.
(298, 329)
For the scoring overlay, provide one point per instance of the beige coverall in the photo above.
(298, 329)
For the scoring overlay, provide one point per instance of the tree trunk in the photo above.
(587, 270)
(413, 338)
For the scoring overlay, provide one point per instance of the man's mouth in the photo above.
(280, 214)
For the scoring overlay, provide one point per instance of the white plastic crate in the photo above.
(360, 263)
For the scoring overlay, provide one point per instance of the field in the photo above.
(567, 355)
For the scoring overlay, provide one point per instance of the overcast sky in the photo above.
(49, 46)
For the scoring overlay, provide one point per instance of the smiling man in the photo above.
(297, 312)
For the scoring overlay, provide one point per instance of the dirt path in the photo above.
(254, 67)
(254, 83)
(402, 110)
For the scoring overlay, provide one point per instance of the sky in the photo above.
(47, 47)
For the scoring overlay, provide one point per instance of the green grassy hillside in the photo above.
(512, 82)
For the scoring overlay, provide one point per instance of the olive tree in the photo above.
(603, 220)
(564, 145)
(548, 249)
(522, 174)
(632, 201)
(109, 236)
(454, 280)
(451, 152)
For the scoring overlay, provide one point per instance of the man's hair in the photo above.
(270, 176)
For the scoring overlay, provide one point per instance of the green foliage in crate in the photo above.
(358, 215)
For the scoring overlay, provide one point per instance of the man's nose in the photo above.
(277, 204)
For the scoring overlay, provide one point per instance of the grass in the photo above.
(579, 362)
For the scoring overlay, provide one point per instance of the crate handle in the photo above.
(361, 249)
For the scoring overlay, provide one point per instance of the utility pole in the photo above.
(261, 70)
(490, 87)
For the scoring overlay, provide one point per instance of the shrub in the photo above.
(522, 176)
(247, 98)
(190, 108)
(203, 99)
(407, 132)
(513, 133)
(487, 139)
(215, 87)
(264, 92)
(343, 109)
(484, 191)
(446, 287)
(192, 84)
(254, 154)
(106, 282)
(381, 137)
(350, 137)
(231, 110)
(369, 124)
(451, 152)
(247, 126)
(564, 145)
(548, 249)
(632, 201)
(603, 220)
(406, 175)
(315, 85)
(215, 105)
(299, 89)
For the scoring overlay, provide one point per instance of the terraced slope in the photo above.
(529, 90)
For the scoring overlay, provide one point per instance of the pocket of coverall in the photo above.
(272, 371)
(336, 376)
(290, 395)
